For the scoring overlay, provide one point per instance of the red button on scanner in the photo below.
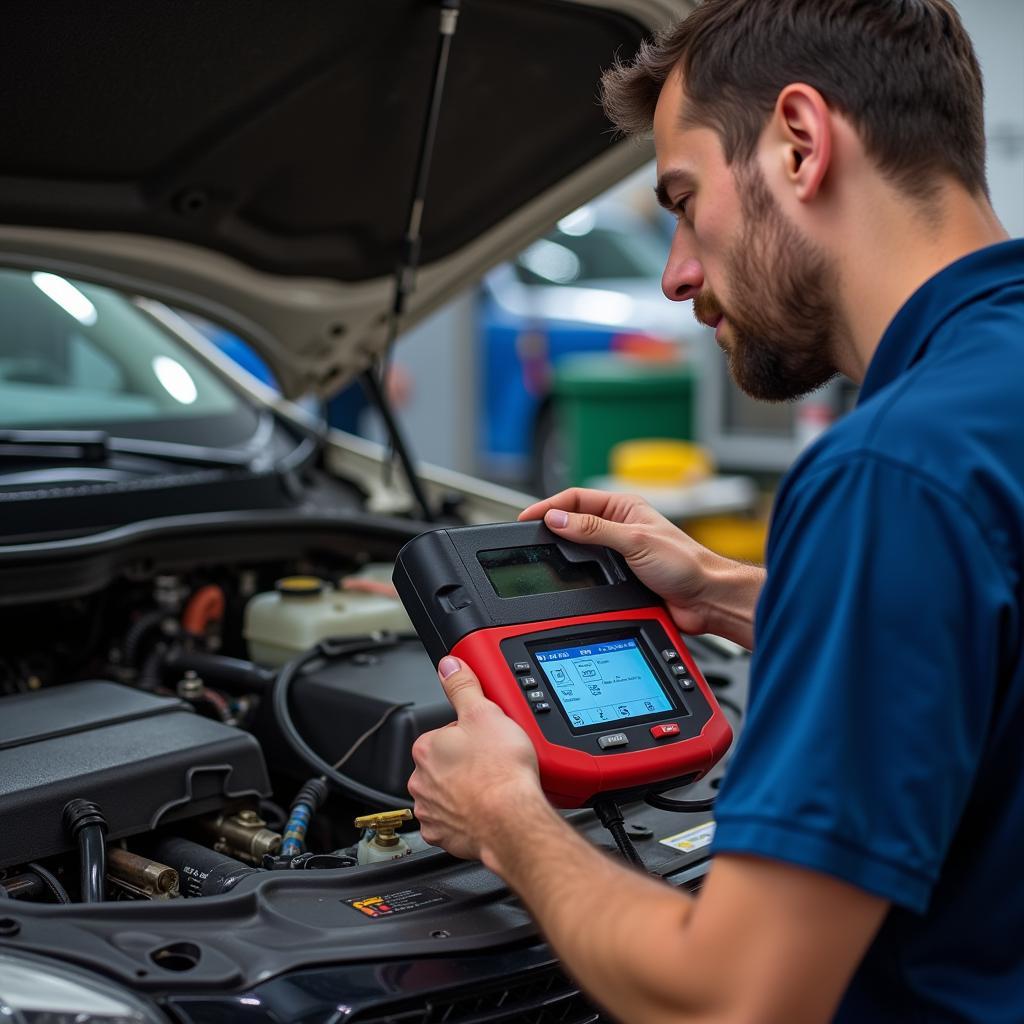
(659, 732)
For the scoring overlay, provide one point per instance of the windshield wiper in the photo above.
(97, 446)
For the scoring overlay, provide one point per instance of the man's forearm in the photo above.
(731, 598)
(620, 933)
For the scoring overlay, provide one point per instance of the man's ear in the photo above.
(802, 130)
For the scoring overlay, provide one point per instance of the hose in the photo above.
(58, 890)
(137, 633)
(279, 703)
(206, 605)
(307, 802)
(231, 674)
(84, 821)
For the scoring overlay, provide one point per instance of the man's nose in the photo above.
(683, 277)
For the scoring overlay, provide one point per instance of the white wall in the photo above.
(997, 28)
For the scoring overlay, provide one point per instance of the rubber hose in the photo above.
(137, 633)
(231, 674)
(50, 880)
(85, 822)
(307, 802)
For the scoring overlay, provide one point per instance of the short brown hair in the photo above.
(903, 71)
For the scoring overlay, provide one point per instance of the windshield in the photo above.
(80, 355)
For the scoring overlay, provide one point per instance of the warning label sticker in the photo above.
(401, 902)
(692, 839)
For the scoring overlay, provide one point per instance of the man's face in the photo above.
(769, 291)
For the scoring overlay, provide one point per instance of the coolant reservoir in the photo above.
(303, 610)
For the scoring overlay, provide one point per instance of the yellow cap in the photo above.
(660, 462)
(300, 586)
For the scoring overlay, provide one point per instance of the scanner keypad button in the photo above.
(615, 739)
(670, 655)
(521, 668)
(541, 707)
(535, 695)
(528, 682)
(659, 732)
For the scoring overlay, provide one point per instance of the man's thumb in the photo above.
(459, 682)
(589, 529)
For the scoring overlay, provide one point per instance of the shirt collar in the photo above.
(943, 295)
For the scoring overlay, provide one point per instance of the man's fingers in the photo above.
(574, 499)
(585, 528)
(460, 684)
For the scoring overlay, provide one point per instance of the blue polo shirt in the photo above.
(884, 743)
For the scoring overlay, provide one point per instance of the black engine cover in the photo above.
(144, 759)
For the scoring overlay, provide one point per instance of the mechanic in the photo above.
(826, 162)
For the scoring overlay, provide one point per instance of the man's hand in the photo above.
(472, 770)
(705, 592)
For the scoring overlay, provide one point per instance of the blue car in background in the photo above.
(591, 285)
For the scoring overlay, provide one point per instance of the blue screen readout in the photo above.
(604, 682)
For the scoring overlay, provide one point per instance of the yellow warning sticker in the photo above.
(692, 839)
(401, 902)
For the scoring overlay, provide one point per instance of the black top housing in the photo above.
(448, 594)
(144, 759)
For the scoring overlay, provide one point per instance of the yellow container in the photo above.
(732, 536)
(661, 462)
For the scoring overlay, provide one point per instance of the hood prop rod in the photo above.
(409, 258)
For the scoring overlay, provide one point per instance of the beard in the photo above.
(784, 322)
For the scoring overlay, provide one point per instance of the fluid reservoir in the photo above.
(303, 610)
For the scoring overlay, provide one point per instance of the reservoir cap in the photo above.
(300, 586)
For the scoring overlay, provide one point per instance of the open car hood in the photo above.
(254, 161)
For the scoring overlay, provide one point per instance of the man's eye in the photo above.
(683, 206)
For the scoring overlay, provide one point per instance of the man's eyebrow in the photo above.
(679, 177)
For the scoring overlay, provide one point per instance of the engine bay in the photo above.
(148, 701)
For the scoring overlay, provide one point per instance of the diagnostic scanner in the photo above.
(572, 647)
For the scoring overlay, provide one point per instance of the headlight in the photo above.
(38, 991)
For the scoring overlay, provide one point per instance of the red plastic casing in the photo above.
(573, 778)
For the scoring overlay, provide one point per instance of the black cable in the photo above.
(611, 817)
(369, 732)
(664, 803)
(231, 674)
(279, 703)
(131, 647)
(58, 890)
(84, 821)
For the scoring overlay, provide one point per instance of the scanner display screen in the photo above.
(605, 682)
(537, 569)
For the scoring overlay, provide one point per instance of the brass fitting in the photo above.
(385, 824)
(141, 876)
(244, 835)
